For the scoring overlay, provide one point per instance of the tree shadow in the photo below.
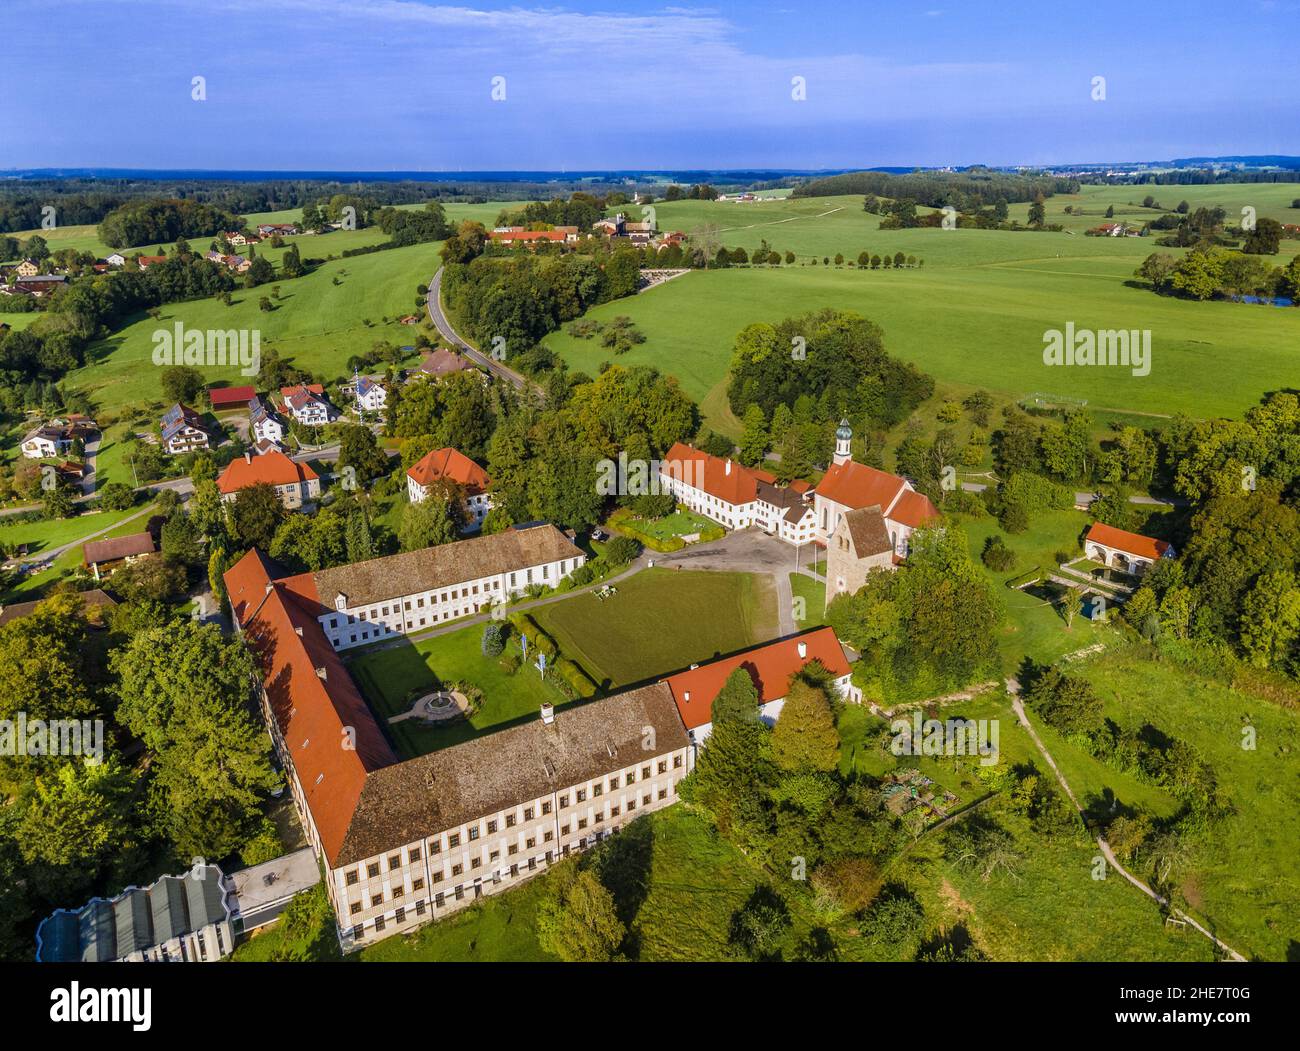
(624, 866)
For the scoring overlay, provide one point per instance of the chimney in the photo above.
(548, 713)
(728, 467)
(298, 630)
(270, 586)
(321, 671)
(687, 696)
(248, 456)
(803, 650)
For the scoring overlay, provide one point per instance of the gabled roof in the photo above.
(303, 394)
(178, 417)
(315, 703)
(442, 361)
(857, 485)
(770, 666)
(452, 465)
(118, 547)
(727, 480)
(1129, 543)
(230, 396)
(272, 468)
(913, 509)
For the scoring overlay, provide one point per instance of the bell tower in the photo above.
(843, 442)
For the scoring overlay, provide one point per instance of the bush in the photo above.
(494, 639)
(575, 677)
(583, 575)
(509, 663)
(1014, 518)
(997, 556)
(621, 550)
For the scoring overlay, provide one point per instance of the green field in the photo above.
(389, 678)
(661, 621)
(813, 592)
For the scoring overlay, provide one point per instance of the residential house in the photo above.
(223, 399)
(28, 268)
(55, 437)
(370, 394)
(283, 229)
(859, 545)
(771, 667)
(308, 405)
(101, 556)
(177, 919)
(532, 238)
(1126, 552)
(438, 363)
(406, 841)
(144, 262)
(117, 259)
(294, 483)
(451, 465)
(96, 603)
(184, 430)
(238, 239)
(237, 263)
(263, 422)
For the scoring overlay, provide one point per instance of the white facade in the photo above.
(350, 625)
(770, 712)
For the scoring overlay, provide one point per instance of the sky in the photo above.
(383, 85)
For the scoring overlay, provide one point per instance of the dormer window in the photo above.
(340, 601)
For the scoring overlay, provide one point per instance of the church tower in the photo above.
(843, 442)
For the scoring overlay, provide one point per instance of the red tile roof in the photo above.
(527, 235)
(913, 509)
(273, 468)
(233, 396)
(1129, 543)
(738, 485)
(453, 465)
(770, 666)
(331, 736)
(857, 485)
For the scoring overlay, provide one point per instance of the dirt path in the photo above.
(1013, 688)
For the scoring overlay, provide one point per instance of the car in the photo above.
(598, 534)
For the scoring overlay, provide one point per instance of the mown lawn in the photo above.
(388, 677)
(813, 593)
(661, 621)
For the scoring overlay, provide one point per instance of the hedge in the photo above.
(575, 677)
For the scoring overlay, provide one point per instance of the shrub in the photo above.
(621, 550)
(494, 639)
(583, 575)
(575, 677)
(1014, 518)
(509, 663)
(997, 556)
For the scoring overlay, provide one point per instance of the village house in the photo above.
(294, 483)
(28, 268)
(406, 841)
(237, 263)
(438, 363)
(513, 235)
(101, 556)
(451, 465)
(369, 394)
(307, 404)
(177, 919)
(771, 666)
(184, 430)
(239, 239)
(1121, 550)
(37, 286)
(117, 259)
(263, 423)
(270, 229)
(144, 262)
(55, 437)
(95, 603)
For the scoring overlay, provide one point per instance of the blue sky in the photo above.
(407, 84)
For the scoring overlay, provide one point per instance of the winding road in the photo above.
(443, 325)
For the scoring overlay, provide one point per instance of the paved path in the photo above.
(88, 479)
(1013, 688)
(443, 325)
(47, 557)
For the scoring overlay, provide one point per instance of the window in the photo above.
(599, 818)
(495, 856)
(528, 813)
(417, 884)
(547, 836)
(419, 907)
(475, 863)
(613, 811)
(645, 772)
(400, 916)
(513, 849)
(510, 821)
(597, 789)
(351, 877)
(613, 783)
(631, 777)
(399, 891)
(530, 842)
(435, 845)
(663, 793)
(645, 799)
(582, 822)
(473, 833)
(358, 932)
(415, 854)
(663, 766)
(631, 805)
(565, 830)
(379, 923)
(438, 899)
(564, 801)
(395, 862)
(453, 840)
(376, 900)
(372, 869)
(546, 807)
(355, 907)
(492, 827)
(437, 876)
(581, 795)
(456, 870)
(677, 762)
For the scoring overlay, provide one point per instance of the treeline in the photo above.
(88, 309)
(580, 210)
(163, 222)
(1207, 273)
(508, 303)
(832, 361)
(967, 191)
(1192, 177)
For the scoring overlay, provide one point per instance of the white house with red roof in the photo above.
(448, 464)
(771, 666)
(849, 486)
(307, 404)
(295, 483)
(1127, 552)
